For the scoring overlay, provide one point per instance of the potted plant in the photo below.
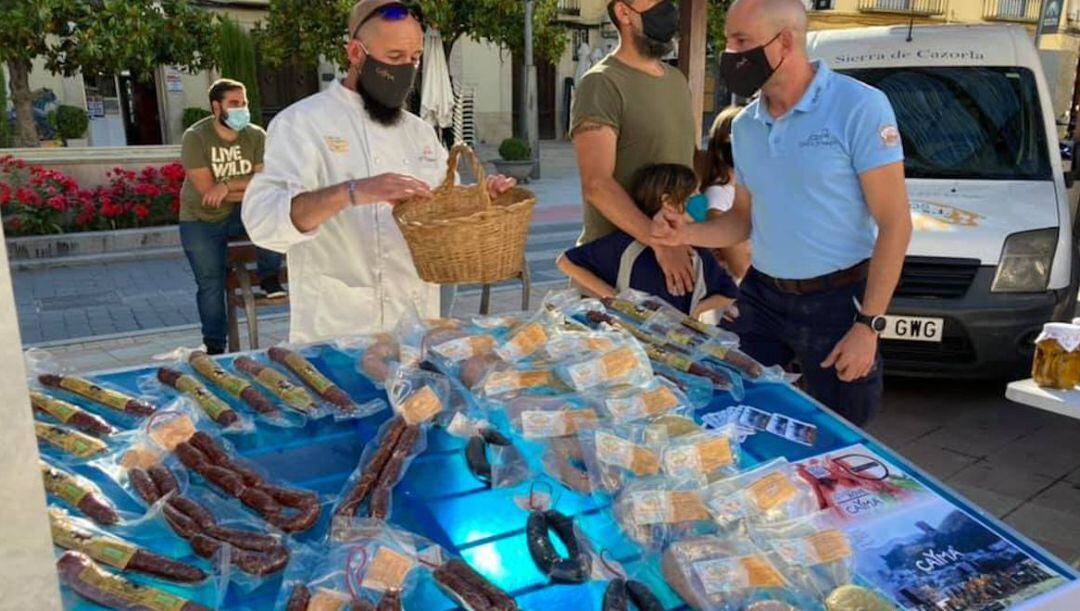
(516, 159)
(71, 123)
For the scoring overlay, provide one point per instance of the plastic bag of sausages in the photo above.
(142, 551)
(369, 489)
(304, 379)
(89, 405)
(181, 440)
(494, 457)
(227, 397)
(88, 579)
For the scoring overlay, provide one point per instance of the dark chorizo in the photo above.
(642, 597)
(164, 480)
(199, 514)
(575, 566)
(298, 598)
(143, 485)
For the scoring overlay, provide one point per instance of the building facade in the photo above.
(125, 111)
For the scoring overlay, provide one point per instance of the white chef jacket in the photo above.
(354, 273)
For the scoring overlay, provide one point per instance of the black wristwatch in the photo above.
(877, 324)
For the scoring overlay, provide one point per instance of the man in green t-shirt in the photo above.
(632, 110)
(220, 155)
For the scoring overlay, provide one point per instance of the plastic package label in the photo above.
(726, 574)
(464, 347)
(698, 459)
(503, 382)
(387, 571)
(524, 343)
(772, 490)
(617, 451)
(820, 548)
(666, 507)
(537, 424)
(421, 406)
(643, 405)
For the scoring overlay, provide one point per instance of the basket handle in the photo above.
(478, 170)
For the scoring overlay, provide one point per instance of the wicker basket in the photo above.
(461, 235)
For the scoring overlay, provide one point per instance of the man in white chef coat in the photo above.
(335, 164)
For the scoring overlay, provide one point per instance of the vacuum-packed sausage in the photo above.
(296, 397)
(315, 380)
(90, 581)
(118, 553)
(70, 414)
(218, 410)
(232, 385)
(69, 441)
(79, 493)
(104, 396)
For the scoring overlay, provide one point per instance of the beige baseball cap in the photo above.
(363, 9)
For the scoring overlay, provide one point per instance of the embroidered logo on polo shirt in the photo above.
(336, 144)
(822, 137)
(890, 136)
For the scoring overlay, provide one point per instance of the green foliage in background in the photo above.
(515, 149)
(193, 115)
(99, 37)
(70, 122)
(235, 52)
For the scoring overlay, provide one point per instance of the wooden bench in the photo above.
(240, 279)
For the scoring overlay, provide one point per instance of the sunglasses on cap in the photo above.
(392, 12)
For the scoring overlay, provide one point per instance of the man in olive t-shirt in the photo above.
(632, 110)
(220, 154)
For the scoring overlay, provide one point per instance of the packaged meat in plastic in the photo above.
(768, 493)
(714, 573)
(811, 550)
(703, 457)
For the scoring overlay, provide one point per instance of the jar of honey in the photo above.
(1057, 356)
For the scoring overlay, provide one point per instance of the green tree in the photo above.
(308, 29)
(503, 22)
(717, 17)
(5, 136)
(235, 52)
(98, 37)
(302, 31)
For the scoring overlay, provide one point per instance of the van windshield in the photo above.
(966, 122)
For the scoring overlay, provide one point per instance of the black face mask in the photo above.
(387, 84)
(661, 22)
(746, 72)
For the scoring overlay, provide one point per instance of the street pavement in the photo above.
(1018, 463)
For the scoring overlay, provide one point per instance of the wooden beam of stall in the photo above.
(693, 32)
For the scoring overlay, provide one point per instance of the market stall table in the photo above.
(1027, 392)
(441, 500)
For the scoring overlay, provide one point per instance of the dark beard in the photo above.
(650, 48)
(380, 113)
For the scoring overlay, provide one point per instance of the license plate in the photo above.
(913, 328)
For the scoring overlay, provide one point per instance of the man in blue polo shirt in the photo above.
(820, 193)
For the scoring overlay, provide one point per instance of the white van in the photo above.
(993, 255)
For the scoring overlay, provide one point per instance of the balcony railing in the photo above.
(1024, 11)
(907, 7)
(570, 8)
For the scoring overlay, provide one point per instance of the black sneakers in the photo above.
(272, 288)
